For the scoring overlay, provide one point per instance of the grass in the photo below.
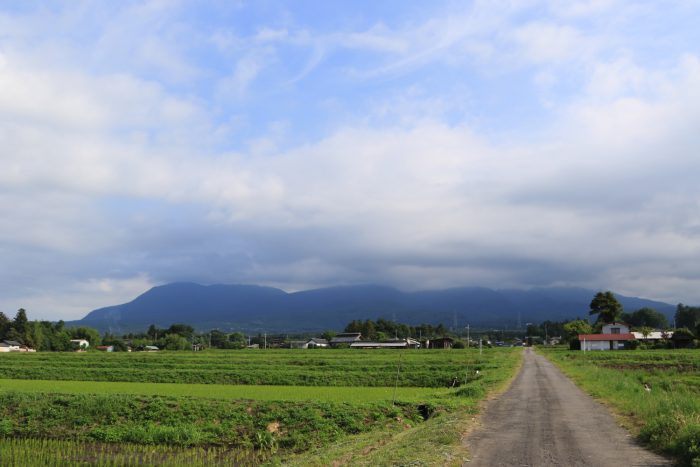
(66, 453)
(666, 418)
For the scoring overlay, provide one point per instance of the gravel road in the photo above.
(545, 420)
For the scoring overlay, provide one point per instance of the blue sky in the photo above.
(303, 144)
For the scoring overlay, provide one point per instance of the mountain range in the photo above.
(253, 308)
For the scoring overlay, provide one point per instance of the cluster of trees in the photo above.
(608, 309)
(178, 337)
(43, 335)
(688, 317)
(383, 329)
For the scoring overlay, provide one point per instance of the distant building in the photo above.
(80, 343)
(316, 342)
(653, 336)
(393, 344)
(14, 346)
(440, 343)
(150, 348)
(554, 340)
(105, 348)
(614, 337)
(10, 346)
(345, 338)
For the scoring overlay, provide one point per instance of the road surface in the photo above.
(545, 420)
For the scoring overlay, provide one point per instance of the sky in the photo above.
(303, 144)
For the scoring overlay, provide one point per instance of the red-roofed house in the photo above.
(613, 337)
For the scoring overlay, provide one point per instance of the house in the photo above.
(345, 338)
(80, 343)
(14, 346)
(298, 344)
(440, 343)
(316, 342)
(105, 348)
(150, 348)
(10, 346)
(393, 344)
(614, 336)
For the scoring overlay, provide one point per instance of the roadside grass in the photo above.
(667, 417)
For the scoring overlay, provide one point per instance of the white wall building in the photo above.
(613, 337)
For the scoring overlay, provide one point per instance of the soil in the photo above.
(544, 419)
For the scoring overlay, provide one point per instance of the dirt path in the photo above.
(545, 420)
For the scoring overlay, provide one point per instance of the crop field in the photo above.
(253, 367)
(657, 392)
(238, 407)
(223, 391)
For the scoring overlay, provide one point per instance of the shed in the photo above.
(345, 338)
(440, 343)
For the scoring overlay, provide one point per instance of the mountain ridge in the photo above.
(255, 308)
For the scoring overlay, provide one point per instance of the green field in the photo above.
(666, 416)
(224, 391)
(307, 407)
(420, 368)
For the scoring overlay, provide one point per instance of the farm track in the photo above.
(544, 419)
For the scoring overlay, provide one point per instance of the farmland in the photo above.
(664, 414)
(240, 406)
(272, 367)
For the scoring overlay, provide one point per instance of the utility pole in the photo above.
(265, 344)
(467, 336)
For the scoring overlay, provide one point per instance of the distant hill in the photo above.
(254, 308)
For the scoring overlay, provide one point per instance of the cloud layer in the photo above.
(503, 144)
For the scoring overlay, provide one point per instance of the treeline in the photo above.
(183, 336)
(383, 329)
(686, 328)
(42, 335)
(688, 317)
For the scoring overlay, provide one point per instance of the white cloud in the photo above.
(113, 179)
(70, 301)
(551, 43)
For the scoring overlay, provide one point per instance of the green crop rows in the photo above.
(271, 367)
(223, 391)
(228, 407)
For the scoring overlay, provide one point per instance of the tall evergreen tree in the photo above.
(606, 306)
